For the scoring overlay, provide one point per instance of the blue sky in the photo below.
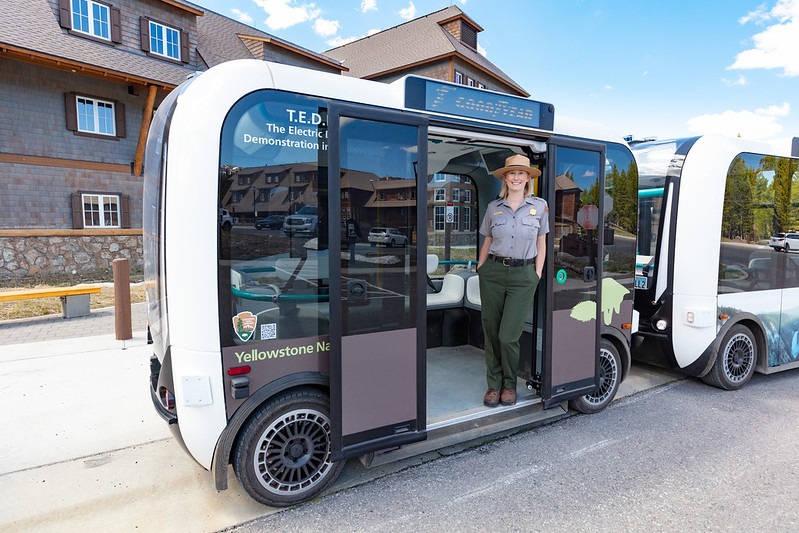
(646, 68)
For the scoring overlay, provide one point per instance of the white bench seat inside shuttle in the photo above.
(473, 292)
(452, 288)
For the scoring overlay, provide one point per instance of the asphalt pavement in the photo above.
(84, 450)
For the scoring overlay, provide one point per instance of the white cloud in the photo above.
(731, 83)
(340, 41)
(481, 50)
(368, 5)
(325, 28)
(757, 124)
(758, 15)
(282, 14)
(776, 46)
(608, 87)
(241, 16)
(409, 12)
(373, 31)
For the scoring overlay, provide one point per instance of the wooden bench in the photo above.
(74, 300)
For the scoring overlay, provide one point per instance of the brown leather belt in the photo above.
(511, 262)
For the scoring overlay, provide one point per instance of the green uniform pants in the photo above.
(506, 294)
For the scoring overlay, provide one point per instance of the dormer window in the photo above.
(463, 29)
(91, 19)
(164, 41)
(469, 35)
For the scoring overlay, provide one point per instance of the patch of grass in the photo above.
(50, 306)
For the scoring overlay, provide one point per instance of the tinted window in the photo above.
(621, 214)
(273, 281)
(757, 205)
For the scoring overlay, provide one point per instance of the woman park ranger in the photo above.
(510, 265)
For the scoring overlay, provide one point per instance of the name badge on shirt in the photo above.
(498, 213)
(532, 211)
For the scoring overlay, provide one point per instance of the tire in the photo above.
(735, 363)
(226, 226)
(391, 243)
(609, 380)
(283, 454)
(787, 248)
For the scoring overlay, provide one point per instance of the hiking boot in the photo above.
(508, 397)
(491, 399)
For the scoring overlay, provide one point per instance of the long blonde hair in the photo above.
(528, 187)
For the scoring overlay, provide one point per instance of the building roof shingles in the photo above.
(32, 25)
(219, 41)
(411, 43)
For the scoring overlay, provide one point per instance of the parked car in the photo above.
(226, 221)
(303, 222)
(791, 242)
(388, 236)
(270, 222)
(780, 240)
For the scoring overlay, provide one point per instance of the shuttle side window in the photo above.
(273, 249)
(621, 215)
(757, 204)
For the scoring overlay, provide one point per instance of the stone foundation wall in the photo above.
(43, 255)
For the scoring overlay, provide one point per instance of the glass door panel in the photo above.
(576, 177)
(377, 324)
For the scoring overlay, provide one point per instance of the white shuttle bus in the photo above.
(339, 317)
(714, 300)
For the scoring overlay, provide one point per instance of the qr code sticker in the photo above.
(268, 331)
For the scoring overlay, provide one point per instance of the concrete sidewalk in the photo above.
(54, 327)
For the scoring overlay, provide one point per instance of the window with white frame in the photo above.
(440, 195)
(466, 224)
(456, 214)
(438, 218)
(164, 41)
(456, 195)
(467, 196)
(100, 211)
(96, 116)
(91, 18)
(440, 177)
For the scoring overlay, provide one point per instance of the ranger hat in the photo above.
(517, 162)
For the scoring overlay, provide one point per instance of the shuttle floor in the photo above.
(456, 384)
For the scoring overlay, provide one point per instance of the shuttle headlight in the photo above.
(662, 324)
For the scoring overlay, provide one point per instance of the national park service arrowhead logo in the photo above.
(244, 325)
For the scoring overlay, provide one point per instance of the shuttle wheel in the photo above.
(283, 454)
(609, 379)
(736, 360)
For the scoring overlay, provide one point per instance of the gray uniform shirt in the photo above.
(514, 234)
